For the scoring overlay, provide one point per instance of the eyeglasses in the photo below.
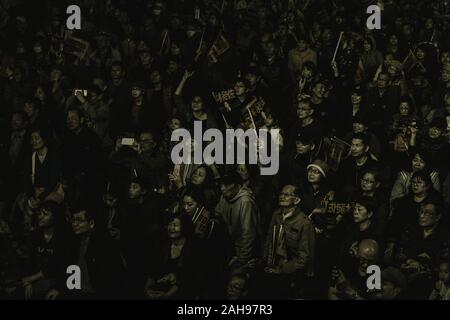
(284, 194)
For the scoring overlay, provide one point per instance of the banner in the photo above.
(219, 47)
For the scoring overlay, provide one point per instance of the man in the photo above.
(81, 154)
(49, 256)
(405, 209)
(350, 283)
(99, 259)
(116, 95)
(238, 208)
(141, 224)
(153, 161)
(418, 248)
(393, 284)
(290, 244)
(356, 164)
(307, 123)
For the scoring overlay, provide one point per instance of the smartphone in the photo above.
(84, 92)
(127, 142)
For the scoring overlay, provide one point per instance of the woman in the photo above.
(178, 270)
(419, 161)
(192, 204)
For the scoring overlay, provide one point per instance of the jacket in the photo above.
(242, 219)
(300, 242)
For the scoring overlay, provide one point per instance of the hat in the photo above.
(438, 122)
(395, 276)
(319, 165)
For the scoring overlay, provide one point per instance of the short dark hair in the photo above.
(423, 175)
(45, 133)
(375, 172)
(361, 136)
(367, 202)
(195, 193)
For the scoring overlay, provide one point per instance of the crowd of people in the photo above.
(87, 178)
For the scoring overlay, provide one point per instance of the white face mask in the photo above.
(37, 49)
(156, 12)
(190, 33)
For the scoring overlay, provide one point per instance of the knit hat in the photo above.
(319, 165)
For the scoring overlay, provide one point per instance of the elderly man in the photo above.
(289, 249)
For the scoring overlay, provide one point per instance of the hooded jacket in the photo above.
(242, 219)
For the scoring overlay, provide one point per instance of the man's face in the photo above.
(428, 216)
(367, 46)
(357, 148)
(302, 46)
(243, 172)
(197, 104)
(17, 122)
(388, 290)
(136, 92)
(303, 148)
(147, 142)
(252, 79)
(174, 229)
(199, 176)
(29, 109)
(358, 127)
(360, 213)
(304, 110)
(45, 218)
(73, 121)
(189, 205)
(382, 81)
(145, 58)
(80, 223)
(287, 197)
(444, 273)
(314, 175)
(445, 75)
(393, 40)
(319, 90)
(368, 183)
(445, 57)
(229, 191)
(240, 89)
(155, 78)
(135, 191)
(418, 186)
(116, 72)
(37, 143)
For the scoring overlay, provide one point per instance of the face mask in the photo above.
(37, 49)
(20, 50)
(156, 12)
(190, 33)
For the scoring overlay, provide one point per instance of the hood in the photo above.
(243, 192)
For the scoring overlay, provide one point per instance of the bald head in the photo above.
(368, 249)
